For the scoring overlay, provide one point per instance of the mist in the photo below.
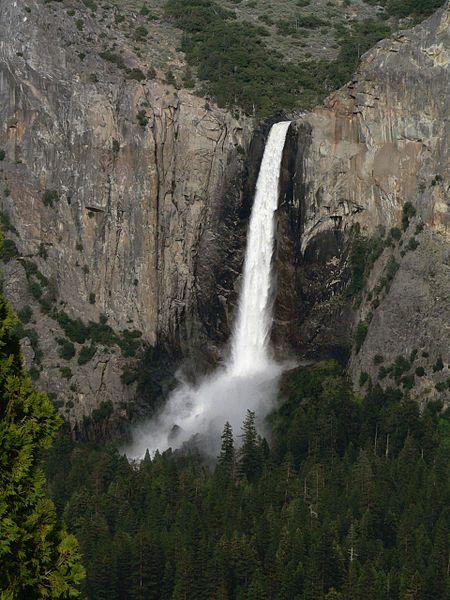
(198, 413)
(249, 381)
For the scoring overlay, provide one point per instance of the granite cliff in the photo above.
(122, 198)
(371, 176)
(124, 201)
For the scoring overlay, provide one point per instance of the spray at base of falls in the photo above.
(249, 380)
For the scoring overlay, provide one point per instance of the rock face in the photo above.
(125, 203)
(377, 144)
(121, 192)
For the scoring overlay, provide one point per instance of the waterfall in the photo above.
(249, 379)
(251, 334)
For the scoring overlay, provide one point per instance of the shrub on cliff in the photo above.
(360, 335)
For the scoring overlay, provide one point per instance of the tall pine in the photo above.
(38, 558)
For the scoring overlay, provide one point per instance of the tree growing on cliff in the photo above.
(38, 558)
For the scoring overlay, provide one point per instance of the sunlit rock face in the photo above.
(376, 144)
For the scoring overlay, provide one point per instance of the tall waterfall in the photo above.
(254, 322)
(249, 379)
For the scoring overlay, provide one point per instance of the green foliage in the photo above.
(396, 233)
(136, 74)
(354, 43)
(140, 33)
(363, 378)
(407, 382)
(25, 314)
(418, 8)
(386, 280)
(289, 27)
(9, 250)
(67, 350)
(129, 374)
(75, 329)
(66, 372)
(378, 359)
(130, 342)
(34, 373)
(412, 244)
(408, 213)
(2, 154)
(401, 365)
(99, 334)
(235, 64)
(142, 118)
(50, 197)
(437, 179)
(351, 494)
(5, 222)
(86, 354)
(39, 559)
(420, 371)
(92, 298)
(250, 454)
(104, 411)
(170, 78)
(35, 290)
(20, 332)
(113, 57)
(363, 255)
(438, 365)
(43, 252)
(360, 335)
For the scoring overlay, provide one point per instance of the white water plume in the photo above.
(249, 379)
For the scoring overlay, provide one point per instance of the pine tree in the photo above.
(38, 558)
(226, 457)
(250, 462)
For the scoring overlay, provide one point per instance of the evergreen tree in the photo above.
(38, 558)
(250, 455)
(226, 457)
(326, 514)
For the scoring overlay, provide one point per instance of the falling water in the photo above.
(250, 342)
(249, 379)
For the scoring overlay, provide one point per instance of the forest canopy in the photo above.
(348, 499)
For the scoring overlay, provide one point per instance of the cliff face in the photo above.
(117, 191)
(378, 144)
(125, 203)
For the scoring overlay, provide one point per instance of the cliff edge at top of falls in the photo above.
(368, 219)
